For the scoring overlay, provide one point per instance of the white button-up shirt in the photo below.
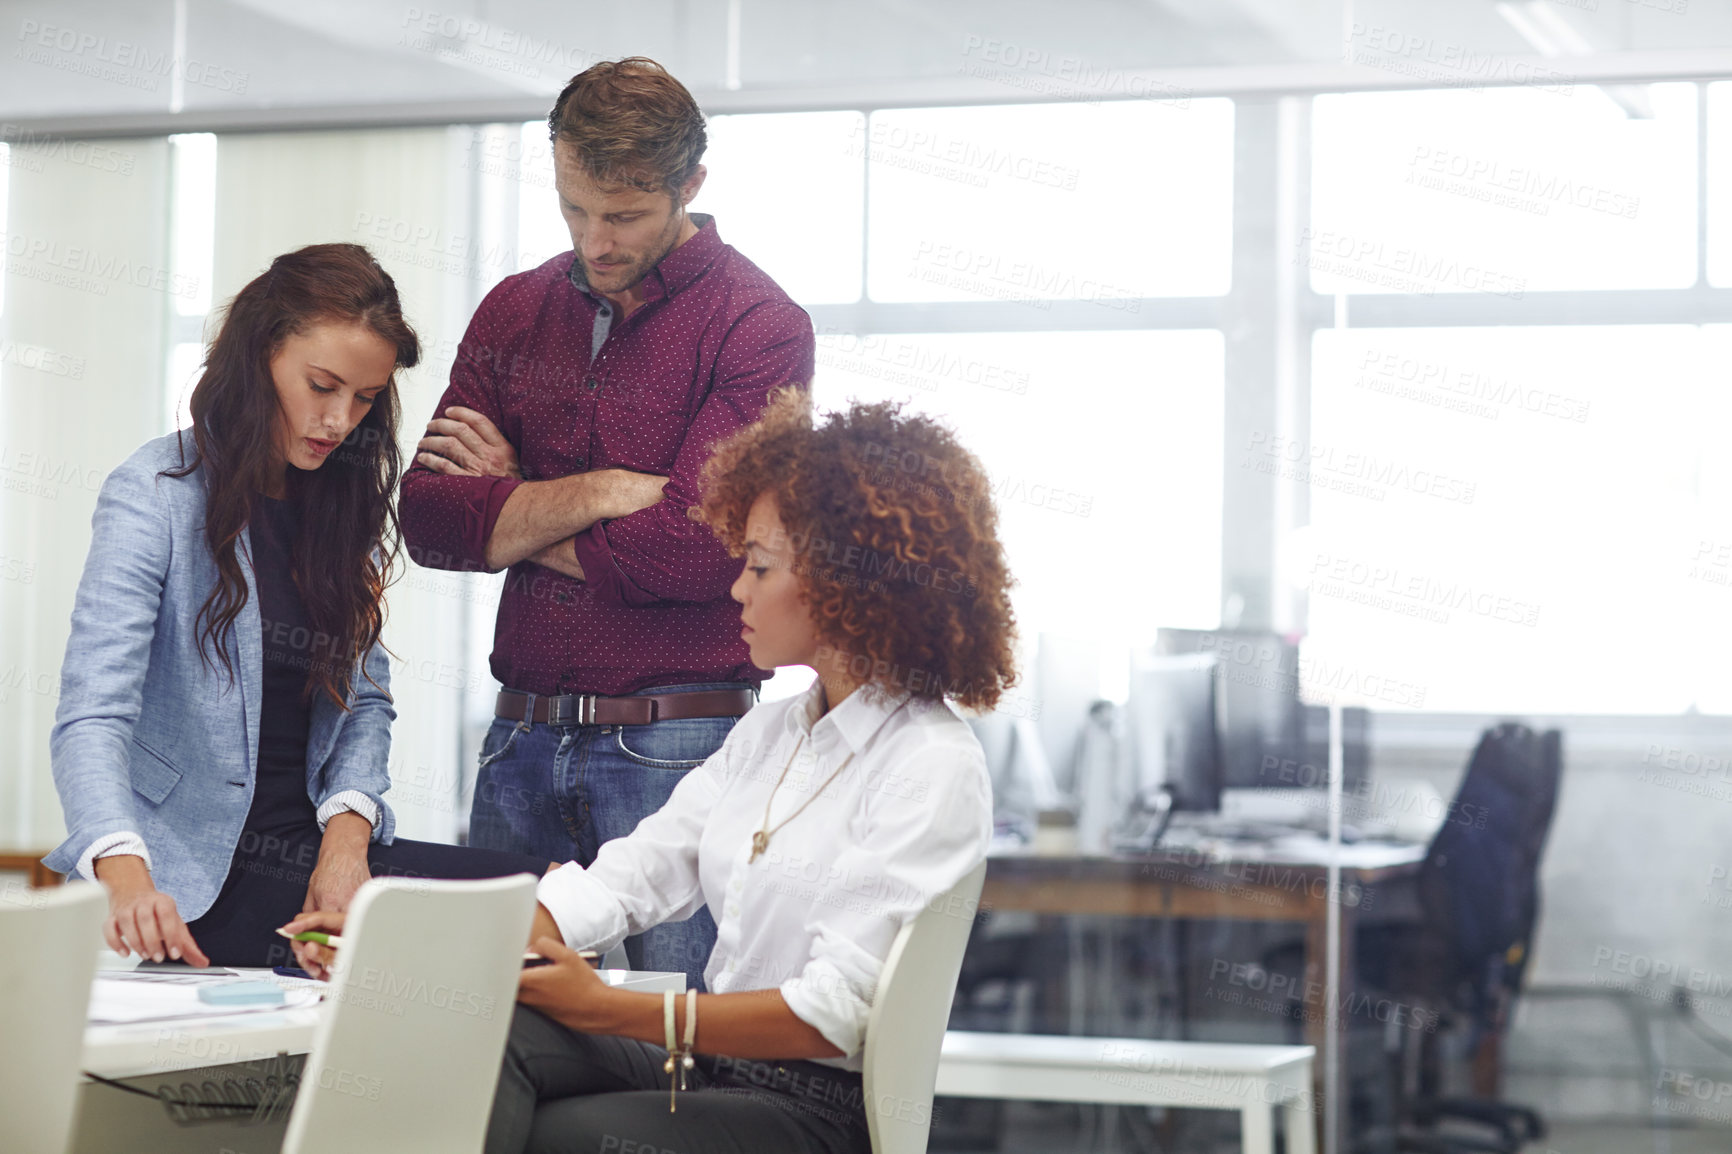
(814, 917)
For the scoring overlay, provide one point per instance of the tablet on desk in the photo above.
(146, 965)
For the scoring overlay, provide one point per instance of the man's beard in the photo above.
(635, 272)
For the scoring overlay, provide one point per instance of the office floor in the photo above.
(138, 1126)
(1586, 1138)
(1590, 1063)
(1036, 1129)
(1047, 1128)
(111, 1121)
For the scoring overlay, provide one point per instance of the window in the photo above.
(5, 187)
(541, 231)
(786, 190)
(1104, 451)
(193, 233)
(192, 243)
(1522, 518)
(1719, 166)
(1502, 191)
(1097, 202)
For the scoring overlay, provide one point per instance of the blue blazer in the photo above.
(147, 737)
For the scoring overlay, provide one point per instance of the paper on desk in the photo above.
(1314, 850)
(115, 1001)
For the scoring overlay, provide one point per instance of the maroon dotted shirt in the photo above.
(575, 388)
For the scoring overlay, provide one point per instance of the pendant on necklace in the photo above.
(760, 843)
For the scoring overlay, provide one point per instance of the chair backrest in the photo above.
(408, 1053)
(1480, 885)
(1542, 805)
(49, 940)
(910, 1010)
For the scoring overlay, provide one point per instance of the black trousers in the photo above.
(267, 885)
(564, 1092)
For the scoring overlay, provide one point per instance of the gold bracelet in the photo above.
(678, 1059)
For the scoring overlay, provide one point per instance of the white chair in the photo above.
(1258, 1082)
(408, 1054)
(910, 1009)
(48, 944)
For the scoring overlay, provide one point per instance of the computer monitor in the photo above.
(1307, 765)
(1170, 726)
(1257, 717)
(1355, 749)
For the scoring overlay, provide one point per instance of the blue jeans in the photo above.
(560, 791)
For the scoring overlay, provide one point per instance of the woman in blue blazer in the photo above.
(223, 731)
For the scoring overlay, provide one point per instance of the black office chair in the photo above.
(1479, 898)
(1464, 960)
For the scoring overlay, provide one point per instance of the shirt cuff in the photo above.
(112, 845)
(600, 571)
(480, 519)
(351, 801)
(588, 916)
(826, 1000)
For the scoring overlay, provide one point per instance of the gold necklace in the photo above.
(761, 839)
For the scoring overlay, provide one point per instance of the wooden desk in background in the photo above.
(1248, 883)
(29, 863)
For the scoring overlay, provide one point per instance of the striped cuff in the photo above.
(112, 845)
(350, 801)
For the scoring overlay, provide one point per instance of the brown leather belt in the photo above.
(589, 709)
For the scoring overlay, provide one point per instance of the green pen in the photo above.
(334, 941)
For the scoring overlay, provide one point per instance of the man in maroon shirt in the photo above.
(584, 400)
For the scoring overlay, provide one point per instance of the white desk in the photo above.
(1197, 875)
(141, 1049)
(1258, 1083)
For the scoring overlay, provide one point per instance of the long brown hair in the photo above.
(349, 538)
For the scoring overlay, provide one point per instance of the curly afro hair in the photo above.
(895, 537)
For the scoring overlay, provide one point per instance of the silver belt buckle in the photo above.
(583, 712)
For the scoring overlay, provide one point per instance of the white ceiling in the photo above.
(103, 58)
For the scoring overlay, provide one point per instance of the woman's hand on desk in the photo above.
(314, 958)
(317, 959)
(141, 918)
(569, 990)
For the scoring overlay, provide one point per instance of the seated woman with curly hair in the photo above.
(822, 825)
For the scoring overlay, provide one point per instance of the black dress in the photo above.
(279, 846)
